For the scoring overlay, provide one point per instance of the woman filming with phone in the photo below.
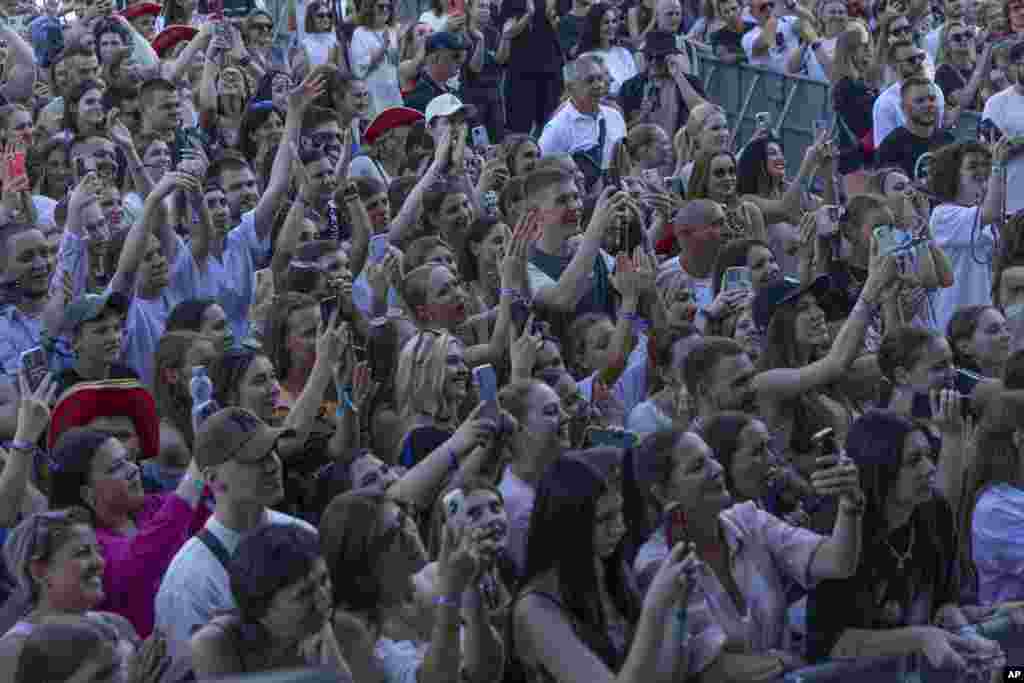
(744, 554)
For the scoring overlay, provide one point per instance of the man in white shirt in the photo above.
(698, 230)
(583, 125)
(1006, 110)
(888, 110)
(769, 44)
(237, 454)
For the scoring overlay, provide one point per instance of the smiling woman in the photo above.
(137, 534)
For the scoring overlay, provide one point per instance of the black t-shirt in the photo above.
(852, 101)
(631, 96)
(950, 79)
(881, 596)
(902, 149)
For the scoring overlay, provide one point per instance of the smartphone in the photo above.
(327, 308)
(383, 350)
(520, 314)
(988, 132)
(763, 120)
(481, 140)
(16, 166)
(453, 503)
(676, 526)
(378, 248)
(616, 438)
(891, 240)
(487, 382)
(737, 277)
(35, 364)
(825, 441)
(489, 203)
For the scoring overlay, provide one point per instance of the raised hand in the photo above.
(150, 662)
(34, 407)
(474, 432)
(306, 92)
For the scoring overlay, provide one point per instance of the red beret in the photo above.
(141, 9)
(392, 117)
(166, 40)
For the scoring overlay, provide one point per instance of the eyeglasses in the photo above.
(262, 28)
(323, 140)
(324, 15)
(724, 172)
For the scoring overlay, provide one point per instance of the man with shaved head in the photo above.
(697, 227)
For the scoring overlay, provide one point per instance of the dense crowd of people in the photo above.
(465, 340)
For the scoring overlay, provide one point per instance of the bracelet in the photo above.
(448, 601)
(17, 445)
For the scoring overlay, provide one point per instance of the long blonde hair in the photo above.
(699, 116)
(420, 376)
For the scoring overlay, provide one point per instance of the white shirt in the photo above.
(570, 131)
(887, 114)
(777, 54)
(382, 82)
(931, 42)
(953, 227)
(1006, 110)
(196, 587)
(702, 291)
(232, 279)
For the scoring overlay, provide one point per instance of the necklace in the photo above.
(901, 559)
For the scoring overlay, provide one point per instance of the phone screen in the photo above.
(35, 365)
(487, 381)
(16, 166)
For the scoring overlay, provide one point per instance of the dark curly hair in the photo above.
(944, 178)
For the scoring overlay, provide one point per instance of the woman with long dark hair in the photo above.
(980, 339)
(906, 578)
(577, 617)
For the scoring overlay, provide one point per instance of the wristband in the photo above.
(448, 601)
(17, 445)
(200, 485)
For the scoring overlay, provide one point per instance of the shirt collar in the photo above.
(577, 114)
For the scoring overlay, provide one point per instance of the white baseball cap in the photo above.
(446, 105)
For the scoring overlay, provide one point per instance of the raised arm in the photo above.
(565, 294)
(21, 60)
(299, 101)
(179, 67)
(404, 223)
(789, 207)
(786, 383)
(33, 417)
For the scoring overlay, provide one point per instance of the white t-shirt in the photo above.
(1006, 110)
(931, 42)
(570, 131)
(779, 51)
(196, 587)
(953, 227)
(812, 67)
(435, 22)
(887, 114)
(382, 82)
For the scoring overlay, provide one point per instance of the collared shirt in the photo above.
(425, 89)
(570, 131)
(196, 586)
(763, 552)
(231, 279)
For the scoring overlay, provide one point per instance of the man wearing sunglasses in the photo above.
(668, 92)
(1006, 110)
(887, 113)
(920, 133)
(769, 44)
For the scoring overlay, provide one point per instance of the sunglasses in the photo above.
(960, 37)
(724, 172)
(262, 28)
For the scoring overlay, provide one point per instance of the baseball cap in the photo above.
(443, 40)
(787, 290)
(446, 105)
(91, 306)
(392, 117)
(234, 434)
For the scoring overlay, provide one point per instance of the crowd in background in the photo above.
(468, 341)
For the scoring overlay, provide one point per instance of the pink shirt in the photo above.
(764, 551)
(136, 564)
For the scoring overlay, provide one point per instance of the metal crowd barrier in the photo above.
(794, 102)
(911, 668)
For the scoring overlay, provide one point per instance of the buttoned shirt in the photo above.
(570, 131)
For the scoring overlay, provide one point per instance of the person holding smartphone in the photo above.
(676, 474)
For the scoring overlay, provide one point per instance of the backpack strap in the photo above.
(215, 547)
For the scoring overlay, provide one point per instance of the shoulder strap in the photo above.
(215, 546)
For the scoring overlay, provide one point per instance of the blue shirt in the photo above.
(996, 529)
